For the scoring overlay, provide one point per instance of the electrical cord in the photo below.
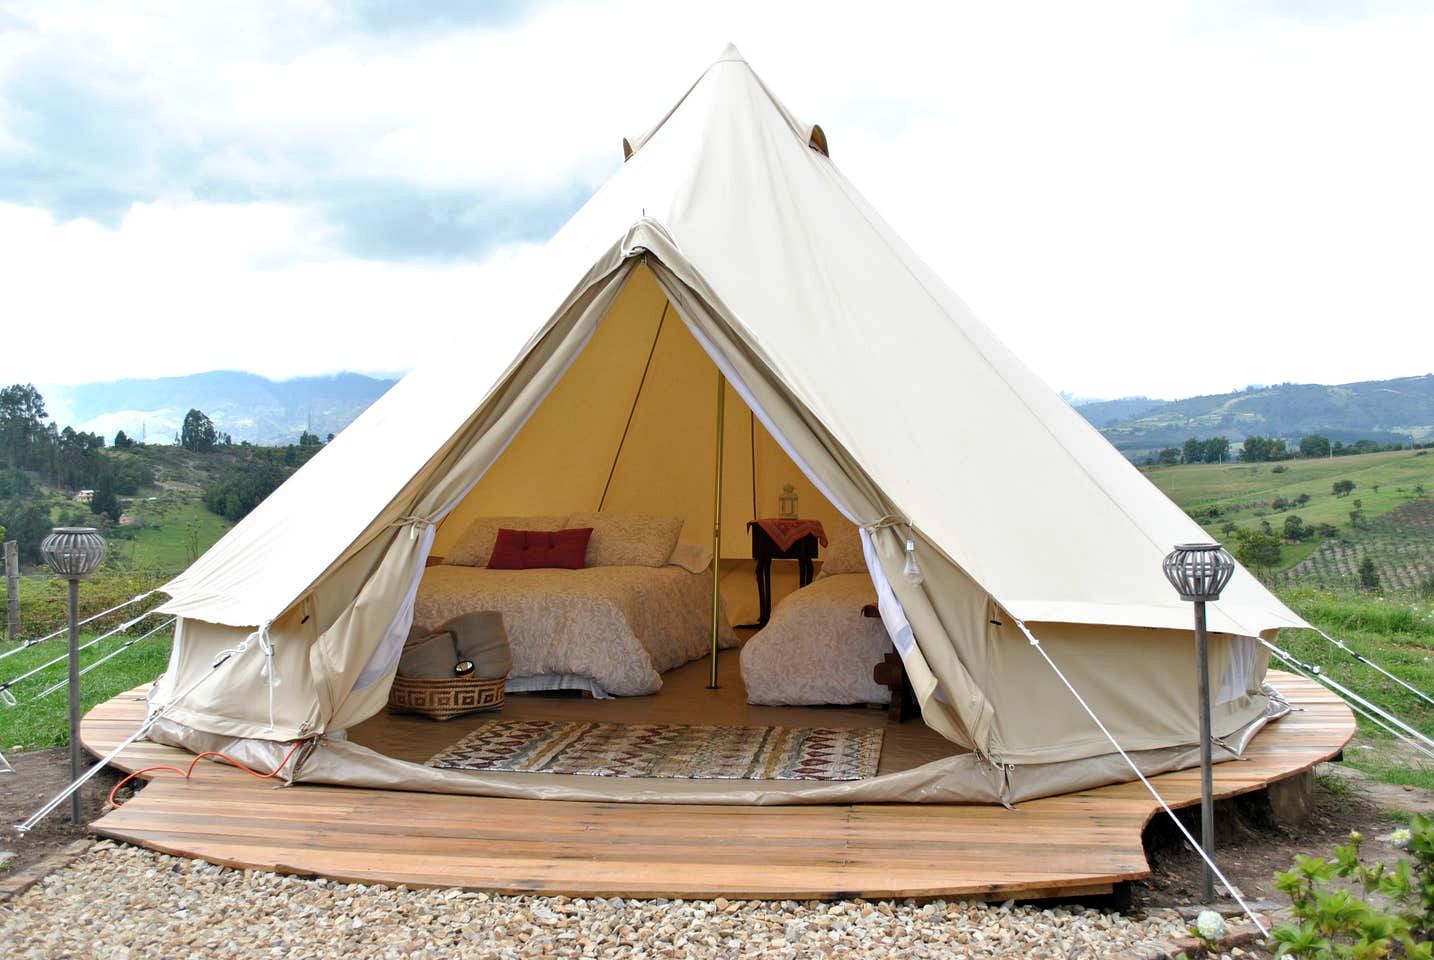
(189, 771)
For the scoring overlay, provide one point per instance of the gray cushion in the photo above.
(480, 637)
(429, 656)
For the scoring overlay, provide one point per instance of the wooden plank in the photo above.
(1079, 843)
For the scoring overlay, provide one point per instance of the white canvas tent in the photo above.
(730, 242)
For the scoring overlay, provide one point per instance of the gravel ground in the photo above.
(124, 902)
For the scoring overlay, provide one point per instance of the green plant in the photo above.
(1393, 908)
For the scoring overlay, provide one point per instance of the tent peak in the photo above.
(731, 53)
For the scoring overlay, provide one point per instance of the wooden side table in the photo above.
(764, 551)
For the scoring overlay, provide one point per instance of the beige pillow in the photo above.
(844, 553)
(621, 540)
(475, 546)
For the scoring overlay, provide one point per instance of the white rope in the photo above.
(50, 636)
(5, 687)
(1371, 664)
(109, 656)
(1301, 669)
(1315, 671)
(150, 720)
(1230, 887)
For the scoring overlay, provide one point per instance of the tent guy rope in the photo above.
(107, 657)
(1374, 666)
(9, 698)
(103, 613)
(1317, 673)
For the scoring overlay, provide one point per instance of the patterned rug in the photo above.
(666, 750)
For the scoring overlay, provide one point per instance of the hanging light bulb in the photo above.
(911, 570)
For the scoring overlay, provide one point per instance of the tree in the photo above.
(1368, 574)
(122, 441)
(1215, 450)
(1170, 456)
(27, 521)
(1258, 550)
(1314, 445)
(1343, 488)
(1302, 499)
(198, 432)
(1263, 449)
(1295, 529)
(307, 439)
(22, 426)
(241, 488)
(104, 502)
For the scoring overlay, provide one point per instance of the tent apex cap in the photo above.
(730, 52)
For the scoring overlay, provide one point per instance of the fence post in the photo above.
(12, 590)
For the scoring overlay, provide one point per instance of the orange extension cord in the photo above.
(212, 753)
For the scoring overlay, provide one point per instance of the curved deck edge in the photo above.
(1076, 844)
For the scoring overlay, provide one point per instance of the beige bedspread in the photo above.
(620, 626)
(818, 648)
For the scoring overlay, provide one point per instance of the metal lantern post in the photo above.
(1199, 572)
(73, 553)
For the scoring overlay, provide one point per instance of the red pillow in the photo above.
(530, 549)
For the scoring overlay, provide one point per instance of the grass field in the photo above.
(34, 724)
(174, 535)
(1396, 530)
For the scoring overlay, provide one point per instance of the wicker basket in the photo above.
(446, 698)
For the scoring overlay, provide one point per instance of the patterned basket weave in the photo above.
(447, 698)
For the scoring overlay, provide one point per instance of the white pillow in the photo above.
(475, 546)
(622, 540)
(692, 557)
(844, 553)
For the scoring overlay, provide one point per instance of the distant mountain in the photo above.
(244, 405)
(1104, 412)
(1384, 410)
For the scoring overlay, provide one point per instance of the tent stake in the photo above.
(717, 525)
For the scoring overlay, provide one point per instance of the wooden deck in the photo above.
(1081, 843)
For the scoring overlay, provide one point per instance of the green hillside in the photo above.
(1400, 410)
(1393, 492)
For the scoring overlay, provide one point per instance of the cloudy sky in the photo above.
(1148, 197)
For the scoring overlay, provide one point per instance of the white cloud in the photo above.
(1143, 197)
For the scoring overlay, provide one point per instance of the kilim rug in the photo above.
(666, 750)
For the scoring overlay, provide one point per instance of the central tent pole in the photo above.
(717, 525)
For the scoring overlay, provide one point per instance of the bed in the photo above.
(611, 628)
(818, 648)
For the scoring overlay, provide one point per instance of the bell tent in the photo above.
(729, 266)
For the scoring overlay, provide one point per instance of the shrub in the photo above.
(1330, 921)
(1342, 488)
(1368, 574)
(1278, 468)
(1280, 503)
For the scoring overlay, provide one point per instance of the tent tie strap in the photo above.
(1189, 837)
(890, 520)
(266, 646)
(415, 524)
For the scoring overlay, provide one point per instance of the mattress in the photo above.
(621, 627)
(818, 648)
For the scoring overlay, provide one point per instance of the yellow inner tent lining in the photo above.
(630, 429)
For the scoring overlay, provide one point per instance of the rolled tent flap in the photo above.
(875, 381)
